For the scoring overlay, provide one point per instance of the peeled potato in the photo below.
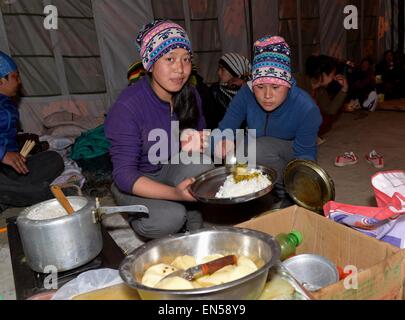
(156, 273)
(210, 258)
(196, 285)
(204, 282)
(175, 283)
(239, 272)
(184, 262)
(217, 278)
(245, 261)
(277, 289)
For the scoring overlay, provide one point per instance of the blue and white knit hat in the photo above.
(159, 38)
(272, 63)
(7, 65)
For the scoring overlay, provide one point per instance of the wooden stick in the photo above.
(28, 148)
(60, 196)
(24, 147)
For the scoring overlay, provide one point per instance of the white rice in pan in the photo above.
(233, 189)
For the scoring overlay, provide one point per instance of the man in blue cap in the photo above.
(23, 181)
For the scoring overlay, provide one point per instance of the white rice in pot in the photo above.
(233, 189)
(50, 211)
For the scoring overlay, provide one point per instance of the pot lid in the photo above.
(308, 184)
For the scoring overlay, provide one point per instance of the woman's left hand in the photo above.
(194, 141)
(182, 191)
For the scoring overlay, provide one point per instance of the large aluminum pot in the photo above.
(260, 247)
(66, 242)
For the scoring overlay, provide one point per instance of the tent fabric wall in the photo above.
(333, 35)
(117, 24)
(234, 28)
(95, 42)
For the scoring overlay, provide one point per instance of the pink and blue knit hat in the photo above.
(7, 65)
(159, 38)
(271, 62)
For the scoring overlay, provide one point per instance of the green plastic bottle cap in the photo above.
(298, 235)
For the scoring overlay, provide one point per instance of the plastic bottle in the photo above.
(288, 243)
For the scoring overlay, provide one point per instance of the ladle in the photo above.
(60, 196)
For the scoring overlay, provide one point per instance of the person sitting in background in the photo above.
(23, 181)
(363, 86)
(399, 59)
(390, 73)
(324, 74)
(233, 73)
(135, 72)
(284, 116)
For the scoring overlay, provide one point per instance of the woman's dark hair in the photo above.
(185, 107)
(315, 66)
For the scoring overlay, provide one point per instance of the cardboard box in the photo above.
(381, 266)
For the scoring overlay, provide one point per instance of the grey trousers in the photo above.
(275, 153)
(165, 217)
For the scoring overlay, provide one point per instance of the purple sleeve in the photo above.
(124, 134)
(201, 121)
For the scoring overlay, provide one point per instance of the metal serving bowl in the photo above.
(262, 248)
(207, 184)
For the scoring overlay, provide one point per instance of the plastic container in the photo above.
(288, 243)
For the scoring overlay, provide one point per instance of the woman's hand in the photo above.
(194, 141)
(343, 82)
(223, 148)
(182, 192)
(16, 161)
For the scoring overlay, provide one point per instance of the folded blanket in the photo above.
(385, 222)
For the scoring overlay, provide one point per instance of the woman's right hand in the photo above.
(195, 141)
(182, 191)
(343, 82)
(16, 161)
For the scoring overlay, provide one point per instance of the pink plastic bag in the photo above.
(389, 190)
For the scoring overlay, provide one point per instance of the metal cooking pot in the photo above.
(262, 248)
(69, 241)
